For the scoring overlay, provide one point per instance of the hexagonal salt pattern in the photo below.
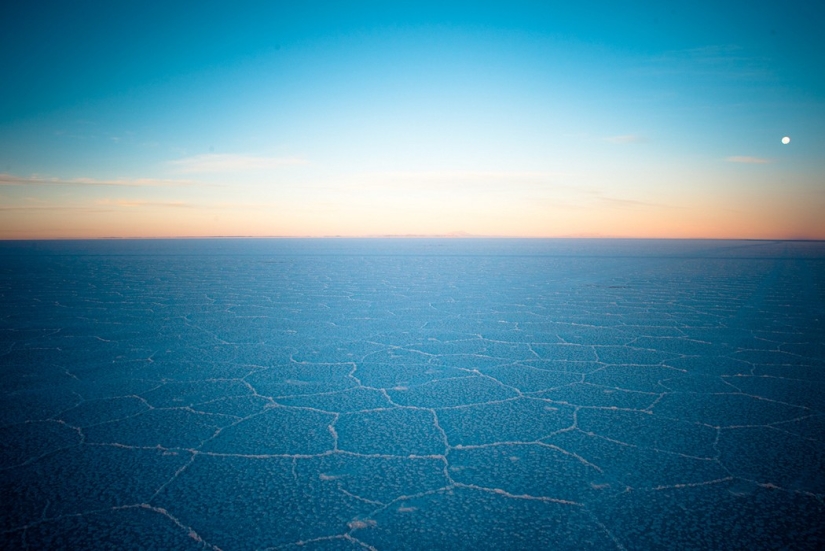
(412, 394)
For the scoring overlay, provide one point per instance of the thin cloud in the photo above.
(102, 205)
(43, 207)
(450, 179)
(231, 163)
(748, 160)
(626, 138)
(11, 180)
(464, 175)
(631, 203)
(727, 61)
(139, 203)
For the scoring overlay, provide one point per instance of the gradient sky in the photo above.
(626, 119)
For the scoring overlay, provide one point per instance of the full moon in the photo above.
(786, 140)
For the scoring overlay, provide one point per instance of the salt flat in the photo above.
(412, 394)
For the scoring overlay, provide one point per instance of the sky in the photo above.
(522, 119)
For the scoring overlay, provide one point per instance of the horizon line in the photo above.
(407, 236)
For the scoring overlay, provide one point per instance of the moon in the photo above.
(786, 140)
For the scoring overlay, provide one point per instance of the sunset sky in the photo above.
(535, 119)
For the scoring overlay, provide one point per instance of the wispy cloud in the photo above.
(101, 205)
(26, 208)
(727, 61)
(631, 203)
(232, 163)
(141, 203)
(626, 138)
(36, 180)
(451, 179)
(748, 160)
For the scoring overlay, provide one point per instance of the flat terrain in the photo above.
(412, 394)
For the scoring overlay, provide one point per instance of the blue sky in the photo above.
(522, 119)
